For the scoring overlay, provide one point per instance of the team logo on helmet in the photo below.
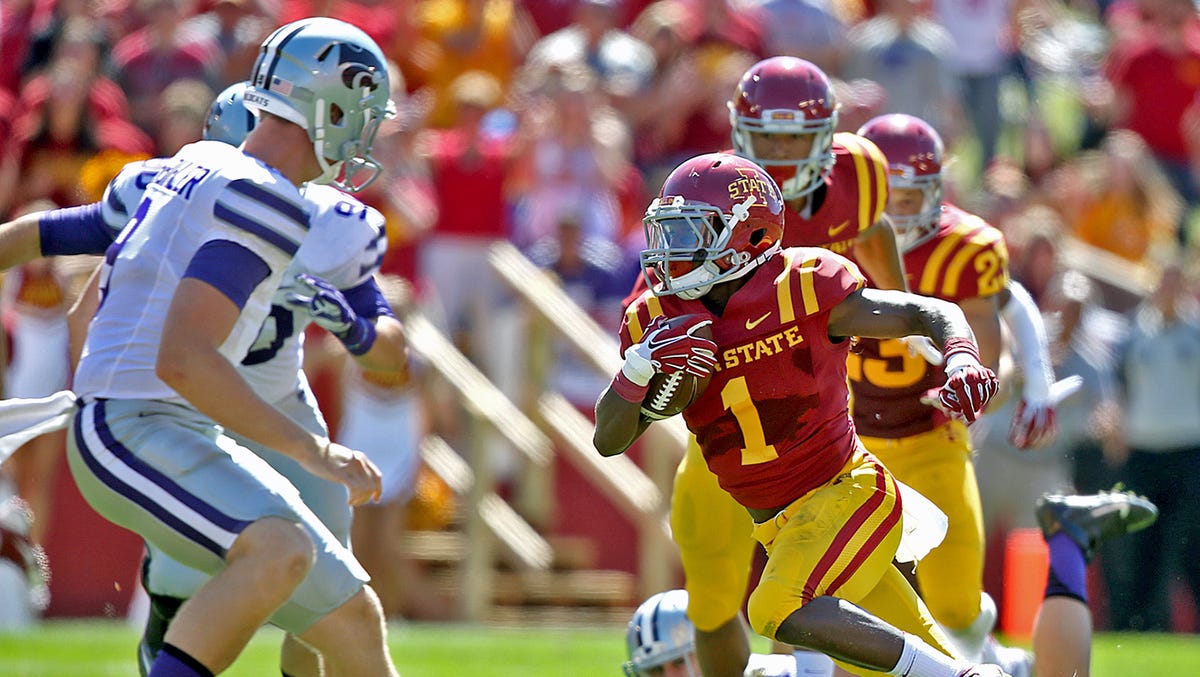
(359, 67)
(752, 184)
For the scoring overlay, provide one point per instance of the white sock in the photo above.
(918, 659)
(812, 664)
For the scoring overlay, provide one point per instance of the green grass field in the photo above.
(102, 649)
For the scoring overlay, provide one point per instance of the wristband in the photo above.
(359, 338)
(960, 352)
(627, 389)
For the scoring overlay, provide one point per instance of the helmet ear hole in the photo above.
(757, 236)
(336, 114)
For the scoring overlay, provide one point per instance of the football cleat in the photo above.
(1091, 519)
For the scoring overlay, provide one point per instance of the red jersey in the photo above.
(854, 198)
(774, 421)
(966, 258)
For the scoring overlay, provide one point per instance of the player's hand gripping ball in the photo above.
(686, 350)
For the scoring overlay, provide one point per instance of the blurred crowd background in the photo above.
(549, 124)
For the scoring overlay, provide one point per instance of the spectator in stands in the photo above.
(1118, 199)
(457, 36)
(66, 116)
(16, 21)
(1159, 371)
(622, 64)
(574, 151)
(812, 30)
(46, 32)
(589, 269)
(984, 46)
(1153, 86)
(911, 56)
(149, 59)
(469, 171)
(237, 28)
(184, 105)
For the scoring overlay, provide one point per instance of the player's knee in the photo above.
(711, 606)
(283, 543)
(765, 611)
(776, 613)
(362, 611)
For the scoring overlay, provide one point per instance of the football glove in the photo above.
(923, 347)
(329, 308)
(1033, 425)
(969, 385)
(667, 349)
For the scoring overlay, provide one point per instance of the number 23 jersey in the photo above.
(966, 258)
(773, 422)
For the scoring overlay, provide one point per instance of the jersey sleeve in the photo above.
(348, 240)
(638, 315)
(818, 280)
(871, 174)
(125, 191)
(970, 262)
(269, 218)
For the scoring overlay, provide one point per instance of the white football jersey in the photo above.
(345, 247)
(209, 191)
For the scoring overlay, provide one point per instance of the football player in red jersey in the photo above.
(956, 256)
(774, 425)
(783, 114)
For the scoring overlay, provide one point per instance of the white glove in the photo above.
(923, 347)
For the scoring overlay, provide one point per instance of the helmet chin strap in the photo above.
(329, 170)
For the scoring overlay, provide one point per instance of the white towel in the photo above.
(924, 525)
(23, 419)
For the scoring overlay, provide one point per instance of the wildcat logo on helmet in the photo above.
(359, 67)
(752, 183)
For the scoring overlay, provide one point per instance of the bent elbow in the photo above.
(170, 369)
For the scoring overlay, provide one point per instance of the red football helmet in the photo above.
(786, 95)
(914, 153)
(717, 217)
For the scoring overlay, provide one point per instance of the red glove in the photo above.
(667, 347)
(969, 385)
(1032, 425)
(675, 347)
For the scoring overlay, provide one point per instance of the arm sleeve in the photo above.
(75, 230)
(230, 267)
(1024, 322)
(367, 300)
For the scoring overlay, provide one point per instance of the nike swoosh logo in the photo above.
(834, 230)
(750, 324)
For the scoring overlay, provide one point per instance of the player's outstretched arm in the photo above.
(878, 313)
(20, 240)
(891, 314)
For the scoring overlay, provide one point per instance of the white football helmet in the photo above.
(228, 119)
(330, 78)
(658, 633)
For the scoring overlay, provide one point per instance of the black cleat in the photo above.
(162, 611)
(1091, 519)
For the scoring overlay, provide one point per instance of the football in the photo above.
(670, 394)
